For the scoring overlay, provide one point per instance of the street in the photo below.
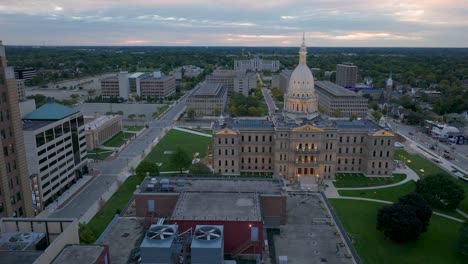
(110, 170)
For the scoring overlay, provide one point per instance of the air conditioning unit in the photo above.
(156, 247)
(208, 245)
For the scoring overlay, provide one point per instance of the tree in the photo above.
(191, 114)
(377, 115)
(119, 113)
(86, 234)
(180, 159)
(462, 244)
(199, 169)
(336, 112)
(75, 96)
(131, 116)
(420, 207)
(399, 222)
(216, 111)
(440, 191)
(353, 117)
(91, 92)
(146, 166)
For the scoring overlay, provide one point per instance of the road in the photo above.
(269, 101)
(457, 151)
(109, 170)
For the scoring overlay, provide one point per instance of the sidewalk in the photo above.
(192, 132)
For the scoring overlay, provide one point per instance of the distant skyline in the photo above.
(329, 23)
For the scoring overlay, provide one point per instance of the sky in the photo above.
(329, 23)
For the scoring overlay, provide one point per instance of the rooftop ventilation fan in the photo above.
(160, 232)
(208, 233)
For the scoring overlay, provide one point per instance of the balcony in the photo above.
(305, 151)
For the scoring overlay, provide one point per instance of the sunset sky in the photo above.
(417, 23)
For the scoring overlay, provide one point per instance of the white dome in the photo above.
(301, 80)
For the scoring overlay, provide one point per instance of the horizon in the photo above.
(280, 23)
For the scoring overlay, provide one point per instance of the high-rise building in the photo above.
(346, 74)
(15, 190)
(337, 101)
(25, 73)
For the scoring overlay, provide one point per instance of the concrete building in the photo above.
(225, 77)
(141, 84)
(243, 83)
(80, 254)
(284, 77)
(298, 143)
(243, 207)
(36, 240)
(20, 86)
(208, 99)
(257, 64)
(157, 85)
(346, 74)
(188, 71)
(337, 101)
(15, 188)
(55, 141)
(26, 74)
(101, 129)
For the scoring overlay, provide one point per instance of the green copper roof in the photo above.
(50, 111)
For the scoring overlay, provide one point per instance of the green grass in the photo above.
(190, 143)
(360, 180)
(387, 194)
(99, 154)
(134, 128)
(437, 245)
(416, 163)
(119, 139)
(115, 203)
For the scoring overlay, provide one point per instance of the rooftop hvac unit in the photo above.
(207, 245)
(156, 247)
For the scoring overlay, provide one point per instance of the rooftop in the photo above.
(161, 78)
(210, 185)
(79, 254)
(30, 125)
(50, 111)
(217, 206)
(100, 121)
(208, 90)
(334, 89)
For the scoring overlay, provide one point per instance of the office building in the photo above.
(257, 64)
(188, 71)
(20, 86)
(15, 188)
(284, 77)
(208, 99)
(346, 74)
(26, 74)
(55, 141)
(245, 82)
(336, 101)
(299, 144)
(99, 130)
(225, 77)
(140, 84)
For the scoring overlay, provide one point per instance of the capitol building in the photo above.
(298, 143)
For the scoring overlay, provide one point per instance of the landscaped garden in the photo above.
(119, 139)
(99, 154)
(134, 128)
(360, 180)
(424, 167)
(437, 245)
(189, 143)
(387, 194)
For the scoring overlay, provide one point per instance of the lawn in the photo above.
(99, 154)
(360, 180)
(416, 163)
(190, 143)
(387, 194)
(119, 139)
(115, 203)
(438, 245)
(134, 128)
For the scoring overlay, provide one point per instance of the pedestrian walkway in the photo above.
(192, 132)
(331, 192)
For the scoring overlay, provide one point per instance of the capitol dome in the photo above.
(302, 80)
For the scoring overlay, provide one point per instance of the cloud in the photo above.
(242, 22)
